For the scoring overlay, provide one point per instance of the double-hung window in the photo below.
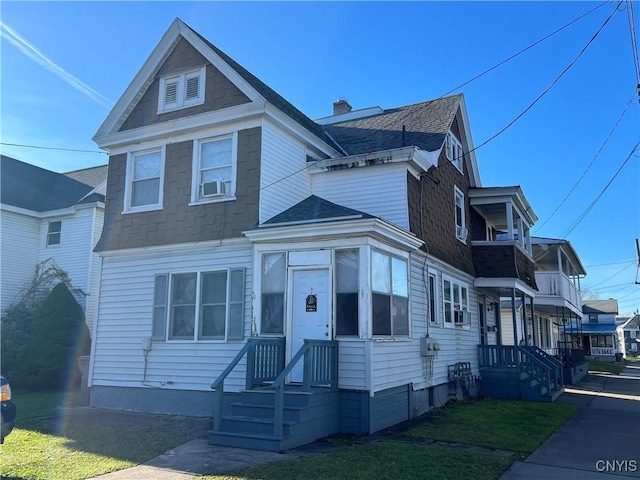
(54, 233)
(199, 305)
(181, 90)
(390, 295)
(454, 151)
(145, 172)
(456, 302)
(214, 168)
(460, 216)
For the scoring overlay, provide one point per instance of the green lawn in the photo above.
(607, 367)
(382, 461)
(500, 424)
(42, 448)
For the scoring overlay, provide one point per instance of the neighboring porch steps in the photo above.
(248, 419)
(506, 382)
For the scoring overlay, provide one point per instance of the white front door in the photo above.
(310, 312)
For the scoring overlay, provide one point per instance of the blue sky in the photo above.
(65, 63)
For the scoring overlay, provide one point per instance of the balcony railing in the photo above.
(556, 284)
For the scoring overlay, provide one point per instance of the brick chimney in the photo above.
(341, 106)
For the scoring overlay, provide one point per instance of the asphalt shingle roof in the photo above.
(425, 123)
(600, 306)
(92, 176)
(425, 126)
(315, 208)
(33, 188)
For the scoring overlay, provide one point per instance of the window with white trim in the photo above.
(347, 292)
(456, 302)
(199, 305)
(214, 168)
(390, 295)
(54, 233)
(182, 90)
(433, 312)
(460, 215)
(145, 172)
(274, 271)
(454, 151)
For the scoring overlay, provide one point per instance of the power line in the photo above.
(546, 37)
(608, 264)
(588, 166)
(612, 276)
(588, 209)
(51, 148)
(551, 85)
(634, 42)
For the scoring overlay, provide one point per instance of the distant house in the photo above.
(597, 332)
(49, 215)
(629, 336)
(339, 275)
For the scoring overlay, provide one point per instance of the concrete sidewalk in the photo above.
(602, 440)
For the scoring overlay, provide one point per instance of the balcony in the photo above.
(503, 260)
(555, 289)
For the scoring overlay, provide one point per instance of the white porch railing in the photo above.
(556, 284)
(603, 351)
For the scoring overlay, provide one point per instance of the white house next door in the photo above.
(310, 313)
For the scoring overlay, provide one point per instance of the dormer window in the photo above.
(182, 90)
(454, 151)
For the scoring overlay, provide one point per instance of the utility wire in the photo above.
(50, 148)
(634, 42)
(588, 166)
(612, 276)
(519, 116)
(609, 264)
(546, 37)
(588, 209)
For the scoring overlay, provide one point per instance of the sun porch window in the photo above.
(390, 295)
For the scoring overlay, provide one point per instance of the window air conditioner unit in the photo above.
(461, 232)
(213, 189)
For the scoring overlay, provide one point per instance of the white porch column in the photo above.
(509, 212)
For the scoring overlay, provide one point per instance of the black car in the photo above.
(8, 409)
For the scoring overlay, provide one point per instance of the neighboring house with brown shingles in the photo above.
(234, 222)
(48, 215)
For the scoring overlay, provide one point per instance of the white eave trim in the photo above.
(153, 63)
(375, 227)
(190, 124)
(474, 174)
(173, 249)
(61, 212)
(487, 282)
(416, 158)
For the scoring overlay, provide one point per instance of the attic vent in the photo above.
(171, 92)
(193, 85)
(182, 90)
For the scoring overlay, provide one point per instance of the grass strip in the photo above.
(512, 425)
(383, 461)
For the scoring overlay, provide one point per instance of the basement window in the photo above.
(182, 90)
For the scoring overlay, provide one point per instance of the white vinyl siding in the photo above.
(125, 319)
(19, 242)
(396, 363)
(379, 190)
(351, 365)
(284, 178)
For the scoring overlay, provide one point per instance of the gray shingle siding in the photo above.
(178, 222)
(219, 91)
